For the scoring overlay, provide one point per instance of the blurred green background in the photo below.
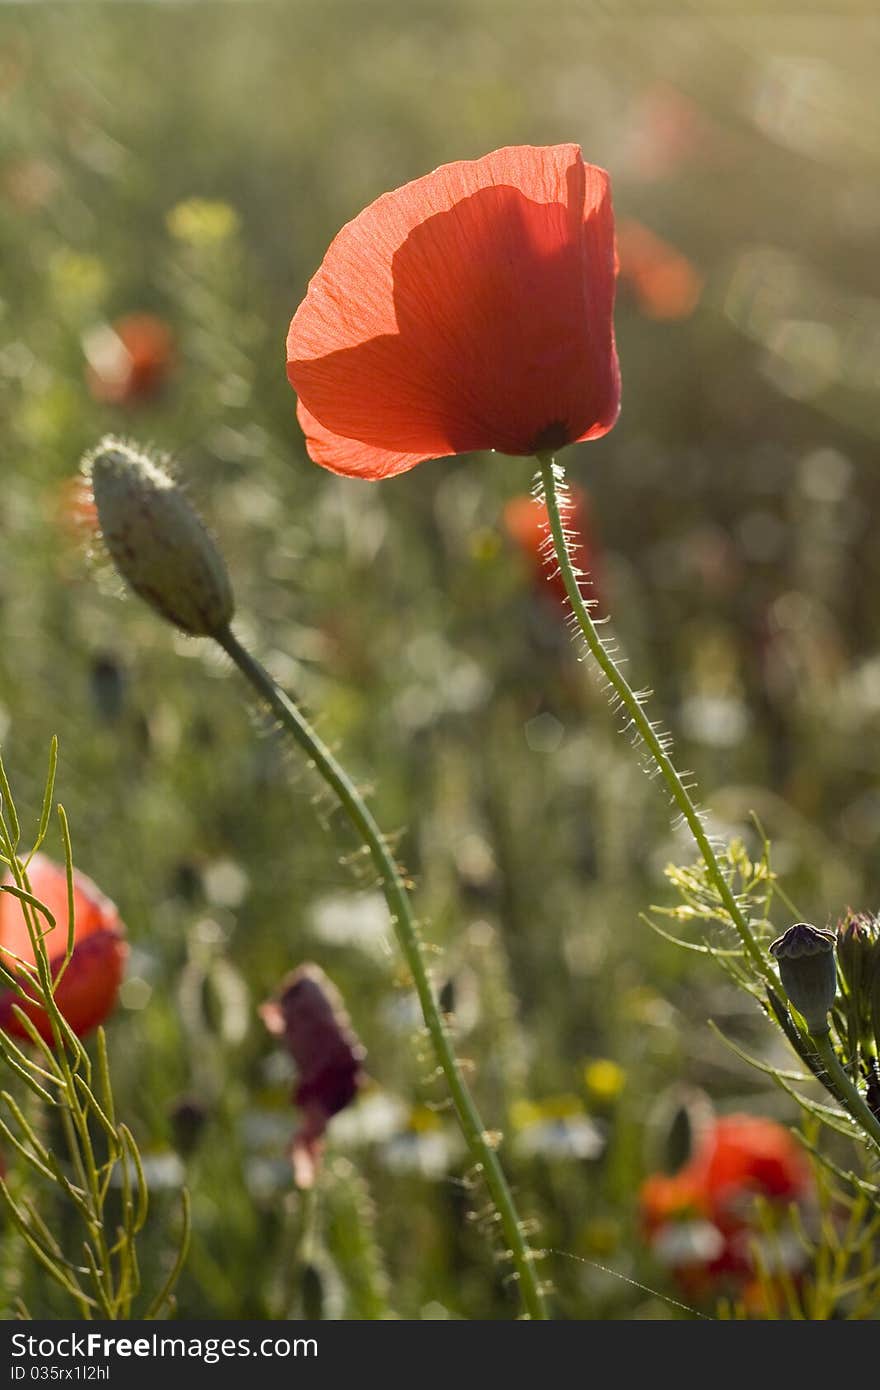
(733, 530)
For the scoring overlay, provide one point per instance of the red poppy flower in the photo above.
(88, 989)
(130, 360)
(527, 523)
(737, 1158)
(308, 1013)
(470, 309)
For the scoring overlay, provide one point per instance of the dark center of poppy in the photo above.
(553, 436)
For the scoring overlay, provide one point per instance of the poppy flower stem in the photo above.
(551, 478)
(361, 818)
(837, 1082)
(848, 1092)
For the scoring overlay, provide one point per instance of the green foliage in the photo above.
(734, 508)
(754, 884)
(60, 1088)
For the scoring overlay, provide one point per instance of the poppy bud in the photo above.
(858, 947)
(309, 1014)
(675, 1125)
(805, 956)
(188, 1117)
(858, 955)
(156, 540)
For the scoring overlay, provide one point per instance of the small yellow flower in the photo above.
(524, 1113)
(423, 1120)
(202, 221)
(604, 1080)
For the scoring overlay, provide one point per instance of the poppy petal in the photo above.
(470, 309)
(86, 994)
(348, 456)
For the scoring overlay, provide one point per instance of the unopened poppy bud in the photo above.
(858, 956)
(805, 955)
(676, 1124)
(308, 1013)
(858, 947)
(188, 1117)
(157, 542)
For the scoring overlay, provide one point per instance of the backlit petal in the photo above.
(470, 309)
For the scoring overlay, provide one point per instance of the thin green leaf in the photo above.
(49, 792)
(68, 865)
(27, 1154)
(702, 950)
(9, 805)
(24, 1072)
(167, 1289)
(104, 1082)
(143, 1191)
(113, 1140)
(29, 898)
(43, 1256)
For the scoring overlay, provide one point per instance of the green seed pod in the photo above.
(805, 956)
(158, 544)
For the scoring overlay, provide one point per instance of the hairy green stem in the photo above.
(551, 477)
(856, 1106)
(361, 818)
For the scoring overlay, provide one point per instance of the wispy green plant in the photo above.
(726, 889)
(100, 1178)
(754, 883)
(834, 1243)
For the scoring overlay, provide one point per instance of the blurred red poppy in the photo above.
(308, 1013)
(470, 309)
(700, 1221)
(664, 282)
(526, 522)
(88, 989)
(129, 360)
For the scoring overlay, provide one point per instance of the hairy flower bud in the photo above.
(158, 544)
(858, 947)
(805, 955)
(858, 956)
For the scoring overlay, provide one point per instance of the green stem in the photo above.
(395, 891)
(551, 476)
(856, 1106)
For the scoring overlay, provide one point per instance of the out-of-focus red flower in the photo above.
(130, 360)
(309, 1015)
(700, 1220)
(665, 283)
(526, 522)
(470, 309)
(87, 992)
